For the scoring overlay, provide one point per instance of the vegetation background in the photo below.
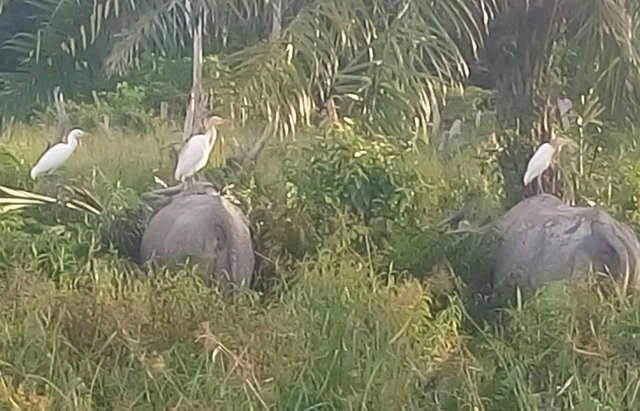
(362, 300)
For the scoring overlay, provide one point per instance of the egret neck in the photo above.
(559, 142)
(72, 140)
(212, 134)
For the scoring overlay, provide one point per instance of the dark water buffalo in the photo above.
(201, 224)
(542, 239)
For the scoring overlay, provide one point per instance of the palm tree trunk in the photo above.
(276, 24)
(518, 72)
(195, 109)
(63, 118)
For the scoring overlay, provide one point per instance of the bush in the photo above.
(125, 107)
(347, 172)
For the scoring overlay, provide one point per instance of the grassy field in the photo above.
(354, 309)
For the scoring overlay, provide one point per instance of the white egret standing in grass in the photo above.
(542, 159)
(56, 155)
(194, 155)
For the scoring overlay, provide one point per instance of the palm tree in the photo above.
(383, 63)
(519, 58)
(379, 62)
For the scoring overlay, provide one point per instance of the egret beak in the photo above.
(562, 141)
(572, 143)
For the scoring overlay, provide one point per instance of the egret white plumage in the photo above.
(194, 155)
(57, 155)
(564, 106)
(450, 136)
(543, 157)
(456, 128)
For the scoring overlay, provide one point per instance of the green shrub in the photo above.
(162, 80)
(347, 172)
(125, 106)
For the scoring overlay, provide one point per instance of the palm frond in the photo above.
(74, 41)
(20, 199)
(57, 53)
(168, 25)
(86, 197)
(17, 193)
(605, 32)
(159, 24)
(379, 61)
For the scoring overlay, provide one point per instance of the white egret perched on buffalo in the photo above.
(57, 155)
(194, 155)
(542, 159)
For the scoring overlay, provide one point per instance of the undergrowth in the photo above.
(362, 302)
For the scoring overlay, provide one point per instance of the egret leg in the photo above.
(189, 181)
(540, 188)
(185, 183)
(54, 180)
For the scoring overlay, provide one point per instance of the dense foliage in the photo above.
(362, 299)
(384, 309)
(371, 57)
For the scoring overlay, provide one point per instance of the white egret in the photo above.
(194, 155)
(456, 128)
(450, 135)
(564, 105)
(56, 155)
(542, 159)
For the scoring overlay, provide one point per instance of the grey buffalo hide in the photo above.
(542, 239)
(208, 228)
